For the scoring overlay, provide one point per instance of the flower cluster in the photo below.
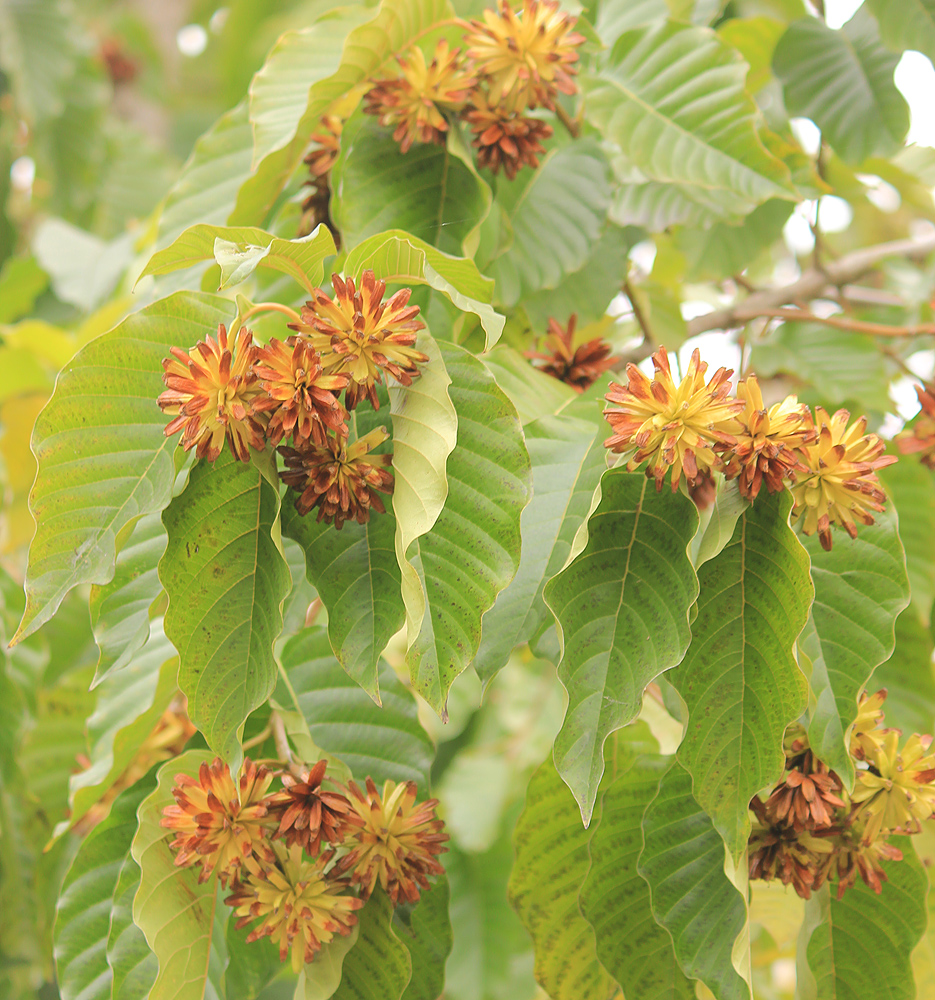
(810, 831)
(578, 367)
(511, 62)
(293, 859)
(920, 437)
(232, 389)
(696, 428)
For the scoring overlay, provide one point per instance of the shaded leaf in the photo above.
(843, 80)
(133, 965)
(473, 549)
(909, 678)
(532, 393)
(683, 862)
(102, 466)
(860, 589)
(622, 607)
(425, 930)
(739, 678)
(226, 579)
(912, 488)
(378, 967)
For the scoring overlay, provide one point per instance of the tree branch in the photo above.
(853, 325)
(811, 285)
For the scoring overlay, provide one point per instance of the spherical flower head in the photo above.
(308, 813)
(767, 440)
(578, 367)
(300, 905)
(219, 824)
(342, 480)
(413, 103)
(397, 843)
(301, 399)
(673, 426)
(211, 392)
(919, 439)
(528, 56)
(839, 484)
(360, 335)
(504, 138)
(897, 791)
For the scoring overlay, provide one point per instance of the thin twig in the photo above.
(637, 311)
(261, 737)
(852, 325)
(265, 307)
(572, 125)
(282, 741)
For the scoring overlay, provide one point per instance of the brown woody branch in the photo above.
(816, 283)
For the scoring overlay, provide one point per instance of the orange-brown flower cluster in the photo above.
(809, 830)
(695, 429)
(267, 847)
(512, 62)
(919, 439)
(578, 367)
(301, 390)
(325, 151)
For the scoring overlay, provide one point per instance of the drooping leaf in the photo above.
(83, 914)
(378, 967)
(843, 80)
(567, 461)
(491, 958)
(551, 849)
(562, 206)
(683, 862)
(397, 256)
(615, 899)
(103, 458)
(385, 742)
(240, 250)
(907, 25)
(622, 607)
(425, 930)
(908, 677)
(706, 155)
(740, 679)
(428, 192)
(912, 488)
(178, 915)
(893, 921)
(120, 609)
(860, 589)
(472, 551)
(226, 579)
(133, 965)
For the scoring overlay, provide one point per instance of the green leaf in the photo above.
(614, 17)
(398, 257)
(226, 579)
(533, 394)
(622, 607)
(178, 915)
(562, 206)
(368, 49)
(425, 930)
(909, 678)
(567, 462)
(860, 589)
(207, 187)
(427, 192)
(107, 462)
(83, 913)
(473, 549)
(491, 958)
(120, 609)
(683, 862)
(912, 488)
(615, 899)
(320, 980)
(378, 967)
(240, 250)
(893, 921)
(907, 25)
(134, 966)
(129, 704)
(704, 154)
(551, 848)
(843, 81)
(740, 679)
(385, 742)
(22, 281)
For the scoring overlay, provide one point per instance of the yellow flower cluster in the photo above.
(695, 428)
(267, 848)
(251, 396)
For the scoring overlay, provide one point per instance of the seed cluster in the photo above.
(810, 831)
(251, 396)
(301, 860)
(696, 428)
